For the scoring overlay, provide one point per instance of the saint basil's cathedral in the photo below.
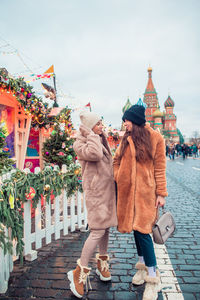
(165, 121)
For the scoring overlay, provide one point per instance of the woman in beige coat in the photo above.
(94, 155)
(139, 170)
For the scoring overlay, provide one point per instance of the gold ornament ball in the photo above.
(66, 149)
(76, 172)
(47, 187)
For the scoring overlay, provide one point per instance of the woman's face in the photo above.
(128, 125)
(98, 128)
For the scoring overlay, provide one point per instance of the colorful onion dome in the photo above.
(169, 102)
(127, 105)
(140, 102)
(157, 113)
(149, 69)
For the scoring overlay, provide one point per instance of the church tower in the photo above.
(150, 99)
(126, 106)
(170, 118)
(164, 122)
(158, 115)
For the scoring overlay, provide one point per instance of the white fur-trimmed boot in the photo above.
(152, 287)
(139, 276)
(78, 278)
(103, 267)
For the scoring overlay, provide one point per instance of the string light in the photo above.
(8, 52)
(18, 53)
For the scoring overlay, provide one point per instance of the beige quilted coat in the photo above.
(97, 178)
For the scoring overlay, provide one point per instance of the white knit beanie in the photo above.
(89, 119)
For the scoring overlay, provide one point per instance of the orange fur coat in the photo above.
(139, 184)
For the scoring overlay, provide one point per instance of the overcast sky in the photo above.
(101, 50)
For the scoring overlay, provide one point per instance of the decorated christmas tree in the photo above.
(58, 149)
(5, 162)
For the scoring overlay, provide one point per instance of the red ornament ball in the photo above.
(31, 194)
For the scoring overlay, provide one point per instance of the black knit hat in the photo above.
(135, 114)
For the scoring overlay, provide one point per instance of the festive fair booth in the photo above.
(34, 205)
(22, 114)
(37, 137)
(16, 122)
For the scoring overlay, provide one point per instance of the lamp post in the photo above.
(55, 99)
(50, 93)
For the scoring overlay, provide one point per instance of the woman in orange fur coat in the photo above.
(140, 173)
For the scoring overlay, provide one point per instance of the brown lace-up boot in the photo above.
(103, 267)
(78, 278)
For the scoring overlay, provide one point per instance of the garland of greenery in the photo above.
(21, 186)
(26, 97)
(15, 191)
(114, 134)
(30, 102)
(5, 243)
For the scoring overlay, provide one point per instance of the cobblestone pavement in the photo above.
(178, 260)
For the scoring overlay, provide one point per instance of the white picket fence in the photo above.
(52, 219)
(6, 266)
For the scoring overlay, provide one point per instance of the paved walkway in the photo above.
(179, 261)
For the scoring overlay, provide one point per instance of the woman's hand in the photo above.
(85, 131)
(160, 201)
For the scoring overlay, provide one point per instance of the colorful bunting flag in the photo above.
(49, 70)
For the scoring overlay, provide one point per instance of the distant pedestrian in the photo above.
(172, 151)
(189, 150)
(167, 150)
(95, 158)
(139, 170)
(178, 149)
(185, 151)
(194, 151)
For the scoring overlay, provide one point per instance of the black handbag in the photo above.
(163, 228)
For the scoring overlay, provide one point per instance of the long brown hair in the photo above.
(142, 141)
(105, 143)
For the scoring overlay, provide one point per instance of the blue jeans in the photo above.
(144, 245)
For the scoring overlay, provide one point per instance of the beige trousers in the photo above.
(96, 238)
